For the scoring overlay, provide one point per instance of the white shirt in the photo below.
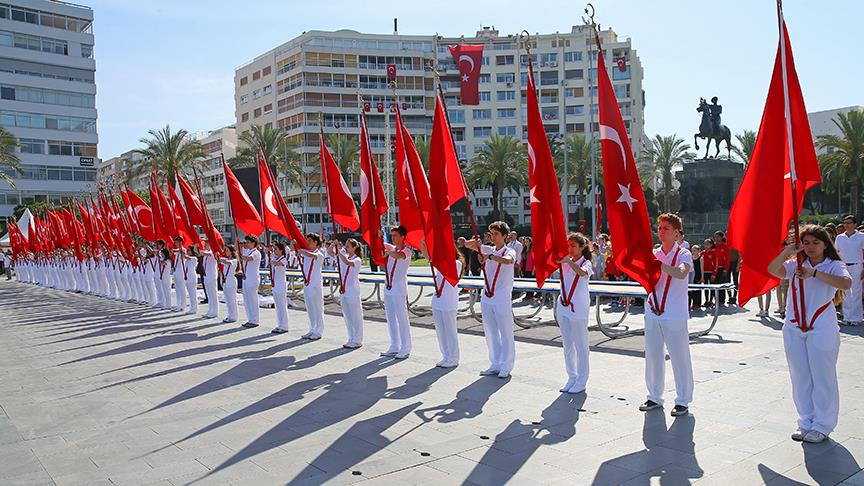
(581, 300)
(352, 281)
(449, 300)
(502, 289)
(229, 268)
(312, 270)
(210, 268)
(250, 269)
(398, 268)
(676, 297)
(851, 248)
(279, 282)
(816, 292)
(517, 247)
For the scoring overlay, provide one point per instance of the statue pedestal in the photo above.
(708, 187)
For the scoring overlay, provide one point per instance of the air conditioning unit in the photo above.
(553, 64)
(509, 85)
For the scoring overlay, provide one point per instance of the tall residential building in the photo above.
(48, 93)
(822, 122)
(219, 142)
(319, 75)
(115, 172)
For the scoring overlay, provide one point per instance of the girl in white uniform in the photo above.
(349, 291)
(165, 277)
(229, 282)
(396, 293)
(445, 305)
(278, 262)
(572, 306)
(190, 276)
(811, 336)
(211, 283)
(179, 275)
(250, 263)
(313, 285)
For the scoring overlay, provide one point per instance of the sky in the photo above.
(172, 62)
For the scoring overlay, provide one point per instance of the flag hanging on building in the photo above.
(373, 201)
(468, 59)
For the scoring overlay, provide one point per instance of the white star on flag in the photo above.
(465, 78)
(626, 197)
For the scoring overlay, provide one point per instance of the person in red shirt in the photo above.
(709, 266)
(721, 273)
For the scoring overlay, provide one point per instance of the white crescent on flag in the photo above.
(609, 133)
(465, 57)
(270, 202)
(531, 157)
(364, 186)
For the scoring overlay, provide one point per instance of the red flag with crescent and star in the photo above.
(468, 59)
(243, 212)
(412, 186)
(626, 212)
(194, 208)
(547, 215)
(373, 202)
(445, 188)
(277, 217)
(340, 203)
(143, 216)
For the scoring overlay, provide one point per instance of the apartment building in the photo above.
(48, 93)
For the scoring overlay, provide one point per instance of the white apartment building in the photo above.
(115, 172)
(216, 143)
(319, 75)
(48, 99)
(822, 122)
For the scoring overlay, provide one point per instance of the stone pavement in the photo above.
(95, 392)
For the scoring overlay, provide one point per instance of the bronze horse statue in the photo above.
(706, 130)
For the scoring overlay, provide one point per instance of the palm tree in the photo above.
(578, 165)
(502, 164)
(279, 150)
(422, 144)
(663, 155)
(846, 152)
(172, 153)
(8, 158)
(346, 152)
(744, 149)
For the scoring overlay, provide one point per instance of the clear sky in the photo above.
(170, 61)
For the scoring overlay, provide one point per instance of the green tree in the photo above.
(845, 153)
(500, 164)
(170, 153)
(743, 150)
(279, 149)
(662, 156)
(9, 160)
(346, 152)
(578, 151)
(422, 144)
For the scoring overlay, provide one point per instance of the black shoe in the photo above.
(649, 405)
(278, 331)
(679, 410)
(250, 325)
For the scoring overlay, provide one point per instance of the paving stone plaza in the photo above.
(97, 392)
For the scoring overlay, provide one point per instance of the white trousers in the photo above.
(280, 299)
(229, 291)
(148, 283)
(352, 313)
(574, 337)
(180, 290)
(250, 298)
(160, 293)
(211, 288)
(314, 300)
(498, 328)
(398, 325)
(852, 308)
(165, 283)
(445, 328)
(192, 291)
(672, 336)
(812, 358)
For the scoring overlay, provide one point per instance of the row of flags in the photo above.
(783, 167)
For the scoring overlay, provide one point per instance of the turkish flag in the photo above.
(277, 217)
(763, 208)
(380, 107)
(194, 207)
(184, 227)
(547, 215)
(391, 71)
(243, 212)
(89, 232)
(367, 107)
(622, 64)
(629, 226)
(373, 202)
(143, 216)
(468, 59)
(445, 187)
(413, 188)
(340, 204)
(127, 206)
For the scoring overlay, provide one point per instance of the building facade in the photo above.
(216, 143)
(318, 78)
(48, 99)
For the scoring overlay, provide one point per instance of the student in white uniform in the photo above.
(156, 264)
(211, 282)
(811, 338)
(349, 290)
(497, 303)
(573, 305)
(190, 276)
(165, 263)
(229, 282)
(250, 262)
(179, 272)
(666, 316)
(313, 285)
(445, 305)
(278, 263)
(850, 246)
(398, 258)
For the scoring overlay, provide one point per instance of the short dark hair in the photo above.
(314, 237)
(251, 239)
(672, 219)
(850, 216)
(501, 227)
(720, 234)
(178, 238)
(400, 229)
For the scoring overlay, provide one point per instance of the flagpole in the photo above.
(450, 129)
(589, 11)
(321, 148)
(233, 223)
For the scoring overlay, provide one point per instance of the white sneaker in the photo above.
(401, 356)
(489, 372)
(447, 364)
(306, 336)
(566, 387)
(504, 375)
(576, 388)
(814, 437)
(799, 434)
(388, 354)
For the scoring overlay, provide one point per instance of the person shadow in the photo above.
(558, 424)
(826, 463)
(661, 444)
(417, 384)
(467, 404)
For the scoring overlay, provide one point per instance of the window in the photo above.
(54, 122)
(618, 74)
(506, 113)
(548, 58)
(244, 99)
(46, 19)
(485, 96)
(504, 60)
(457, 116)
(87, 51)
(7, 93)
(47, 96)
(265, 71)
(256, 94)
(256, 75)
(505, 78)
(506, 95)
(574, 74)
(32, 146)
(573, 56)
(268, 108)
(257, 112)
(576, 110)
(482, 114)
(244, 117)
(548, 78)
(484, 61)
(622, 90)
(244, 81)
(504, 131)
(574, 92)
(484, 78)
(78, 149)
(482, 132)
(549, 113)
(268, 89)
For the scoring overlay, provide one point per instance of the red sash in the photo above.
(307, 277)
(388, 274)
(344, 278)
(490, 292)
(569, 301)
(438, 291)
(800, 320)
(662, 309)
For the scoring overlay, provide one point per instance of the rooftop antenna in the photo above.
(395, 26)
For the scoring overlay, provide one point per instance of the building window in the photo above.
(256, 75)
(506, 95)
(268, 89)
(87, 51)
(457, 116)
(256, 94)
(244, 99)
(504, 60)
(482, 114)
(506, 113)
(576, 110)
(244, 81)
(268, 108)
(244, 117)
(505, 78)
(618, 74)
(574, 74)
(504, 131)
(622, 90)
(257, 112)
(31, 146)
(574, 92)
(573, 56)
(484, 78)
(265, 71)
(485, 96)
(482, 132)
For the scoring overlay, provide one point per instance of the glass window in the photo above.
(482, 114)
(32, 146)
(504, 131)
(485, 96)
(576, 110)
(618, 74)
(505, 77)
(572, 56)
(456, 116)
(482, 131)
(506, 113)
(484, 78)
(87, 51)
(506, 95)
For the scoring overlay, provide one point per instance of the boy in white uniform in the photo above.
(396, 294)
(850, 245)
(313, 285)
(250, 261)
(211, 282)
(497, 302)
(666, 318)
(445, 306)
(179, 271)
